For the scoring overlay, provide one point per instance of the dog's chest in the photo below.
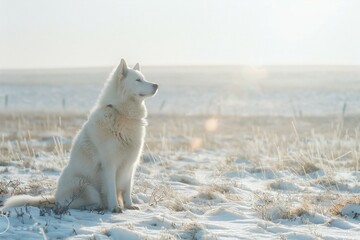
(117, 130)
(127, 133)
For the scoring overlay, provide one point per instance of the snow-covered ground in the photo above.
(231, 153)
(201, 177)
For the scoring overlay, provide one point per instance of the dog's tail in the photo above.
(35, 201)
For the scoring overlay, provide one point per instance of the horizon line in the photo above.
(179, 66)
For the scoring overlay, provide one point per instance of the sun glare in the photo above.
(196, 143)
(212, 124)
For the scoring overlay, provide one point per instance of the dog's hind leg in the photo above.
(89, 199)
(79, 197)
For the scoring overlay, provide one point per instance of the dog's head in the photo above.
(133, 83)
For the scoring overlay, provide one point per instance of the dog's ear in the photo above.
(137, 67)
(121, 69)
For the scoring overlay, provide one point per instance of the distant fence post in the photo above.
(63, 103)
(162, 105)
(6, 101)
(344, 110)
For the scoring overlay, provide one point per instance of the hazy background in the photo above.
(88, 33)
(209, 90)
(237, 57)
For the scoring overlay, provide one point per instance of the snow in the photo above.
(192, 204)
(242, 174)
(351, 211)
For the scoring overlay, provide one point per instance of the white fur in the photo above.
(21, 200)
(106, 150)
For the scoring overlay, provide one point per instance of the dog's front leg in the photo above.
(126, 193)
(110, 186)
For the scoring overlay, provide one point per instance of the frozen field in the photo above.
(262, 154)
(244, 91)
(200, 178)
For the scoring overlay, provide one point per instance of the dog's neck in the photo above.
(132, 109)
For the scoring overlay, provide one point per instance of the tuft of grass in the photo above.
(11, 187)
(191, 230)
(338, 206)
(219, 191)
(272, 207)
(308, 168)
(166, 196)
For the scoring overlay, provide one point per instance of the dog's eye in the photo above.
(138, 80)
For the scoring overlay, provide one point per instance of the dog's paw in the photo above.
(132, 207)
(116, 210)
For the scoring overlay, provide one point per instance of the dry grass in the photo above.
(11, 187)
(164, 195)
(219, 191)
(273, 207)
(312, 148)
(25, 136)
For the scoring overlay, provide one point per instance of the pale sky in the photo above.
(81, 33)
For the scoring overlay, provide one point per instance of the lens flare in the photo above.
(196, 143)
(212, 124)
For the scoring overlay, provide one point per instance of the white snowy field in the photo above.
(229, 90)
(201, 177)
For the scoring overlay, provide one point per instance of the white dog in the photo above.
(107, 148)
